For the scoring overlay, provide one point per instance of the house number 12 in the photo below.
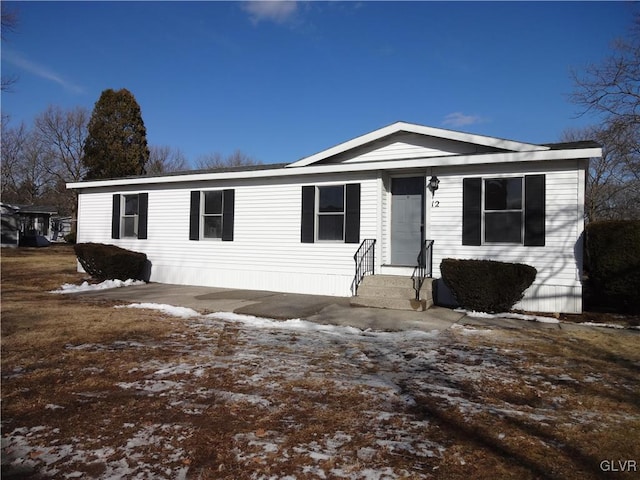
(435, 203)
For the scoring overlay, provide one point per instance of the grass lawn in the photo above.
(94, 391)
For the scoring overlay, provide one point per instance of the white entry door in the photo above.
(407, 219)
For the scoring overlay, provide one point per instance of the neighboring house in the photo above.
(35, 220)
(9, 217)
(29, 225)
(59, 227)
(296, 227)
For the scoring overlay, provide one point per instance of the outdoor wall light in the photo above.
(433, 184)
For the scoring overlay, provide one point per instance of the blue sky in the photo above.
(284, 80)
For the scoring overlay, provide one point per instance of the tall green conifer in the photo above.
(116, 144)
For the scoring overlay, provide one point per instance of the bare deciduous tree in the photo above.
(611, 91)
(37, 163)
(216, 160)
(165, 159)
(612, 87)
(25, 179)
(13, 144)
(62, 134)
(9, 24)
(611, 193)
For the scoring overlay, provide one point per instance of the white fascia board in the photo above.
(477, 159)
(420, 130)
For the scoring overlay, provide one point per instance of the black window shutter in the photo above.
(352, 214)
(534, 210)
(472, 211)
(143, 207)
(307, 223)
(228, 200)
(194, 216)
(115, 216)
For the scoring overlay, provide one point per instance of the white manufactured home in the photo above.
(392, 203)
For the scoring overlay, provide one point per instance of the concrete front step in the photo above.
(366, 290)
(392, 303)
(387, 281)
(392, 292)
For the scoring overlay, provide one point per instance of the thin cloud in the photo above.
(271, 10)
(39, 70)
(459, 119)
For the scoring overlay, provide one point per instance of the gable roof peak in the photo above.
(401, 126)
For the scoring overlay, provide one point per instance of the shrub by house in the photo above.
(487, 285)
(109, 262)
(613, 264)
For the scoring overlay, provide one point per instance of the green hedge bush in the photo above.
(109, 262)
(613, 265)
(487, 285)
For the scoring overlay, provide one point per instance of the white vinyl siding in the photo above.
(266, 253)
(557, 286)
(405, 146)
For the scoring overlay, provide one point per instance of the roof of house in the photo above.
(31, 209)
(573, 145)
(491, 150)
(397, 127)
(241, 168)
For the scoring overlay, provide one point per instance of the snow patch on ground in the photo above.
(87, 287)
(469, 330)
(120, 462)
(297, 324)
(604, 325)
(514, 316)
(182, 312)
(391, 371)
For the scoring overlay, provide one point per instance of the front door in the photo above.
(407, 219)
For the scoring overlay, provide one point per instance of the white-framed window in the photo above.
(330, 213)
(130, 215)
(212, 214)
(503, 210)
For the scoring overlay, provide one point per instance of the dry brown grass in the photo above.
(247, 404)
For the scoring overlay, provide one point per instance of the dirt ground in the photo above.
(93, 390)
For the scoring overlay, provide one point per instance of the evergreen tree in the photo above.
(116, 143)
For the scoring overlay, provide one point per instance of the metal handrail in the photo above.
(424, 268)
(365, 259)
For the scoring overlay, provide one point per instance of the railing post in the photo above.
(424, 267)
(365, 262)
(431, 259)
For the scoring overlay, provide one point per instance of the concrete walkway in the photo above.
(316, 308)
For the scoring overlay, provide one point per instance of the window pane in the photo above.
(330, 227)
(131, 204)
(503, 194)
(407, 186)
(130, 226)
(212, 227)
(503, 227)
(213, 202)
(331, 199)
